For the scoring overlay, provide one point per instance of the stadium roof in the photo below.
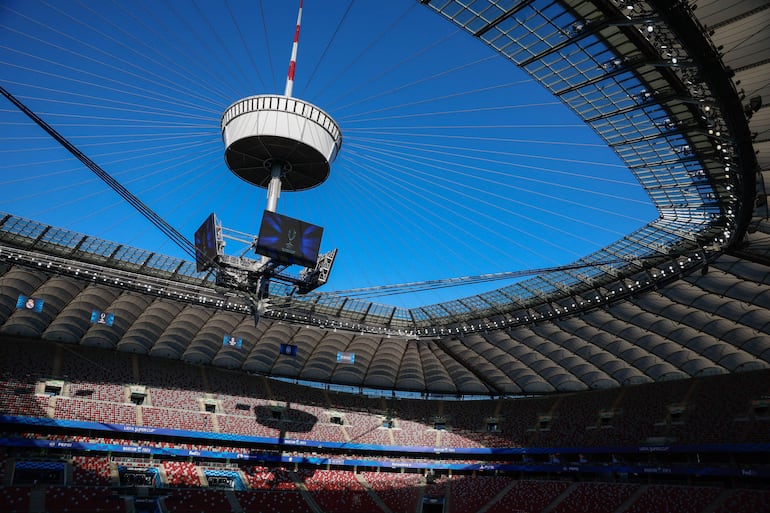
(676, 91)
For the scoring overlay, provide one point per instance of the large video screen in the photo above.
(289, 241)
(206, 244)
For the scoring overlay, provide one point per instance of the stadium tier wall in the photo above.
(105, 431)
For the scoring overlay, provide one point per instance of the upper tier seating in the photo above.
(677, 411)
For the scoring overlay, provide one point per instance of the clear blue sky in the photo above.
(453, 162)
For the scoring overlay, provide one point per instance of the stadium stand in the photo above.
(82, 499)
(182, 474)
(16, 499)
(653, 403)
(196, 501)
(91, 470)
(595, 497)
(400, 492)
(469, 494)
(529, 496)
(279, 501)
(662, 499)
(745, 500)
(337, 491)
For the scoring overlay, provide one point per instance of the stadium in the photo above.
(140, 377)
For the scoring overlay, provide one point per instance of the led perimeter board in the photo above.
(288, 241)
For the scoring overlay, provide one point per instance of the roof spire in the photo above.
(293, 62)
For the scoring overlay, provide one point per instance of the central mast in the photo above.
(279, 142)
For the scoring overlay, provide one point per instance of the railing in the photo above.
(279, 103)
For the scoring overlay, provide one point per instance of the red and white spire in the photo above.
(293, 62)
(280, 145)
